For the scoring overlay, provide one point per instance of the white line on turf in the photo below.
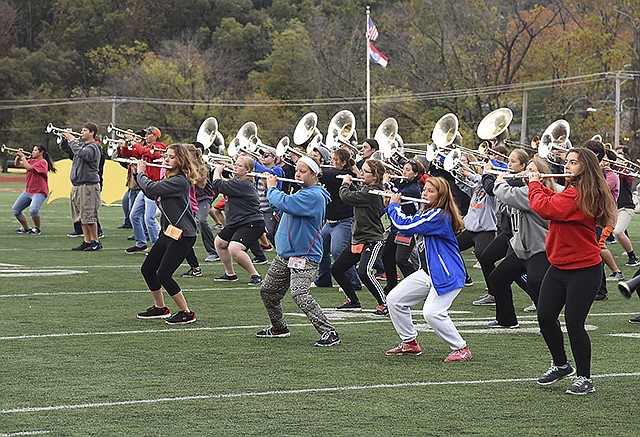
(286, 392)
(11, 434)
(79, 293)
(625, 334)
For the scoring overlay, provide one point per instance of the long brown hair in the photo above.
(199, 164)
(445, 202)
(594, 195)
(185, 162)
(543, 167)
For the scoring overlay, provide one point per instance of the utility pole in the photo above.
(525, 104)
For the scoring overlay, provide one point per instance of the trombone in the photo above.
(51, 129)
(121, 133)
(11, 151)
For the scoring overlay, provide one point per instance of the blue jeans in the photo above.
(33, 201)
(126, 206)
(143, 213)
(335, 237)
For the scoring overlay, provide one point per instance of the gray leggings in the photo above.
(275, 284)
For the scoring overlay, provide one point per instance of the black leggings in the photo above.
(574, 290)
(163, 260)
(396, 254)
(495, 251)
(365, 261)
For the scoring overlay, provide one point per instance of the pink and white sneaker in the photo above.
(457, 355)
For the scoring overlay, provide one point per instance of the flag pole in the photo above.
(368, 77)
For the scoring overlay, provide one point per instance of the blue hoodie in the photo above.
(301, 220)
(440, 247)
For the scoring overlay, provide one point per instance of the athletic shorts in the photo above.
(245, 234)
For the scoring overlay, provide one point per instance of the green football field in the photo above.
(75, 360)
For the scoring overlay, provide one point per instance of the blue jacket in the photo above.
(440, 247)
(302, 218)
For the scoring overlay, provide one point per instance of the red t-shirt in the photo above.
(38, 177)
(143, 151)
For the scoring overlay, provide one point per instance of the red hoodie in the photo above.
(571, 242)
(143, 152)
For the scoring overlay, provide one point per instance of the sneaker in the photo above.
(101, 234)
(131, 238)
(181, 318)
(615, 276)
(411, 348)
(635, 320)
(477, 265)
(350, 306)
(193, 272)
(35, 231)
(155, 313)
(555, 374)
(459, 355)
(258, 261)
(24, 231)
(123, 226)
(272, 333)
(255, 280)
(212, 258)
(468, 282)
(93, 246)
(602, 296)
(217, 227)
(329, 338)
(633, 262)
(531, 308)
(381, 310)
(83, 246)
(267, 247)
(135, 249)
(487, 299)
(225, 277)
(382, 277)
(581, 386)
(495, 324)
(74, 234)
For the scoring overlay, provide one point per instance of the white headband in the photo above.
(310, 163)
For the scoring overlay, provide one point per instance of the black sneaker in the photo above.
(22, 231)
(259, 261)
(75, 234)
(601, 296)
(194, 272)
(272, 333)
(155, 313)
(255, 280)
(93, 246)
(555, 374)
(381, 310)
(123, 226)
(581, 386)
(635, 320)
(350, 306)
(135, 249)
(83, 246)
(181, 318)
(35, 231)
(227, 278)
(329, 338)
(633, 262)
(101, 234)
(468, 282)
(131, 238)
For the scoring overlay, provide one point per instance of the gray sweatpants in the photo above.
(412, 290)
(275, 284)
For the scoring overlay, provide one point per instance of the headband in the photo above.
(310, 163)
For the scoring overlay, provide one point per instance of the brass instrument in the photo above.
(342, 130)
(11, 151)
(495, 125)
(555, 136)
(51, 129)
(213, 159)
(207, 133)
(306, 129)
(246, 141)
(283, 148)
(121, 133)
(112, 146)
(388, 141)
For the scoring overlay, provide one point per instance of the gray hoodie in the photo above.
(529, 229)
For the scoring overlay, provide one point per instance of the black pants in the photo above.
(396, 254)
(506, 273)
(494, 252)
(574, 290)
(163, 260)
(365, 260)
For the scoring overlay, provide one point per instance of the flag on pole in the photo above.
(372, 31)
(377, 57)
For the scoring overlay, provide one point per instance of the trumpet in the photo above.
(51, 129)
(11, 151)
(407, 198)
(135, 161)
(121, 133)
(112, 146)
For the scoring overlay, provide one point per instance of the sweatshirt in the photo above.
(336, 209)
(571, 242)
(302, 217)
(483, 208)
(85, 168)
(368, 210)
(243, 205)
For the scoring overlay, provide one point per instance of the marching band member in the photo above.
(299, 250)
(576, 267)
(244, 221)
(366, 239)
(178, 236)
(441, 275)
(626, 211)
(398, 246)
(37, 187)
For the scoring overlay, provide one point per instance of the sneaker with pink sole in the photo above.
(411, 348)
(458, 355)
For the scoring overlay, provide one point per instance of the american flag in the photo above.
(372, 31)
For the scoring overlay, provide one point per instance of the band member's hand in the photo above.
(395, 197)
(67, 136)
(500, 177)
(386, 178)
(347, 179)
(142, 166)
(534, 177)
(272, 180)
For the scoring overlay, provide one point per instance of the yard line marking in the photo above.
(286, 392)
(11, 434)
(624, 334)
(14, 273)
(66, 293)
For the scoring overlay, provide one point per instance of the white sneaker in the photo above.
(530, 309)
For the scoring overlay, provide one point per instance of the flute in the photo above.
(410, 199)
(134, 161)
(265, 176)
(342, 176)
(542, 175)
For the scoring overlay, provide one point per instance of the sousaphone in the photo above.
(495, 125)
(556, 136)
(341, 128)
(306, 129)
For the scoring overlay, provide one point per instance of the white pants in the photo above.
(412, 290)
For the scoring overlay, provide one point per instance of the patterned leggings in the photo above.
(275, 284)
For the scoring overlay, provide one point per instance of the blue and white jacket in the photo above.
(439, 248)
